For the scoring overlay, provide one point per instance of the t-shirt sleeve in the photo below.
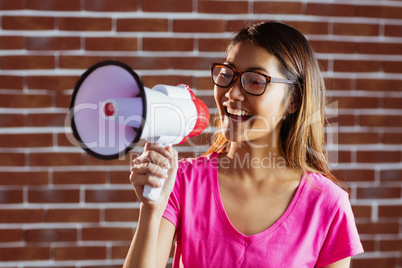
(173, 208)
(342, 239)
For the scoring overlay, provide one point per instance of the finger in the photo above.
(149, 169)
(152, 157)
(158, 148)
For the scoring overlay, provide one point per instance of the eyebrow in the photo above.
(249, 69)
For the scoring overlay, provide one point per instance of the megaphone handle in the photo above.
(151, 193)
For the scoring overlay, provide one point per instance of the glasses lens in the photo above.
(222, 75)
(253, 83)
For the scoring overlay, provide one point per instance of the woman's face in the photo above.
(245, 117)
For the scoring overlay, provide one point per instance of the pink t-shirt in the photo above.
(317, 228)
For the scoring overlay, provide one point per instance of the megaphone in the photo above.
(111, 111)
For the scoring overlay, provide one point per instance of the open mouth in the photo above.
(238, 115)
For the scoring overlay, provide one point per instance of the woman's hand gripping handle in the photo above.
(154, 172)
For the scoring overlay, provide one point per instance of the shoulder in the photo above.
(200, 164)
(324, 191)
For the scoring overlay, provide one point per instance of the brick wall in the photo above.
(59, 207)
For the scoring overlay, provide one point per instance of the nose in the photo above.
(235, 91)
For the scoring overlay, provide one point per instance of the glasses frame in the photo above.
(236, 74)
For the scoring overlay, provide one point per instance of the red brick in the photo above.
(142, 25)
(357, 29)
(79, 177)
(11, 4)
(391, 245)
(25, 101)
(375, 262)
(28, 23)
(57, 5)
(362, 211)
(354, 175)
(73, 215)
(391, 175)
(379, 11)
(192, 63)
(111, 43)
(26, 253)
(340, 156)
(146, 63)
(11, 82)
(53, 43)
(278, 7)
(393, 30)
(167, 44)
(109, 196)
(381, 120)
(12, 42)
(378, 84)
(204, 83)
(26, 140)
(392, 103)
(52, 82)
(56, 159)
(224, 7)
(368, 245)
(120, 177)
(357, 66)
(332, 10)
(323, 46)
(11, 196)
(47, 120)
(109, 6)
(151, 81)
(213, 45)
(309, 27)
(358, 138)
(167, 6)
(127, 214)
(11, 235)
(357, 102)
(379, 48)
(119, 252)
(107, 234)
(378, 228)
(392, 66)
(67, 140)
(390, 211)
(12, 159)
(378, 156)
(23, 178)
(121, 161)
(53, 196)
(50, 235)
(79, 253)
(85, 24)
(199, 26)
(378, 192)
(392, 138)
(22, 216)
(11, 120)
(338, 83)
(80, 62)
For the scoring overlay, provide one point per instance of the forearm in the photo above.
(143, 249)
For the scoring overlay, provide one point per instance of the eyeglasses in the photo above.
(253, 83)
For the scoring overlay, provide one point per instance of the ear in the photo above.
(294, 104)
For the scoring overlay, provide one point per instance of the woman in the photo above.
(263, 195)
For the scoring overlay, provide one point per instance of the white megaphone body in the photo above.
(111, 112)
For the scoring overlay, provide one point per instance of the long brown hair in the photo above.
(302, 132)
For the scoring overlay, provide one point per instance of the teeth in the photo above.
(238, 112)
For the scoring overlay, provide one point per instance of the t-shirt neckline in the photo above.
(226, 220)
